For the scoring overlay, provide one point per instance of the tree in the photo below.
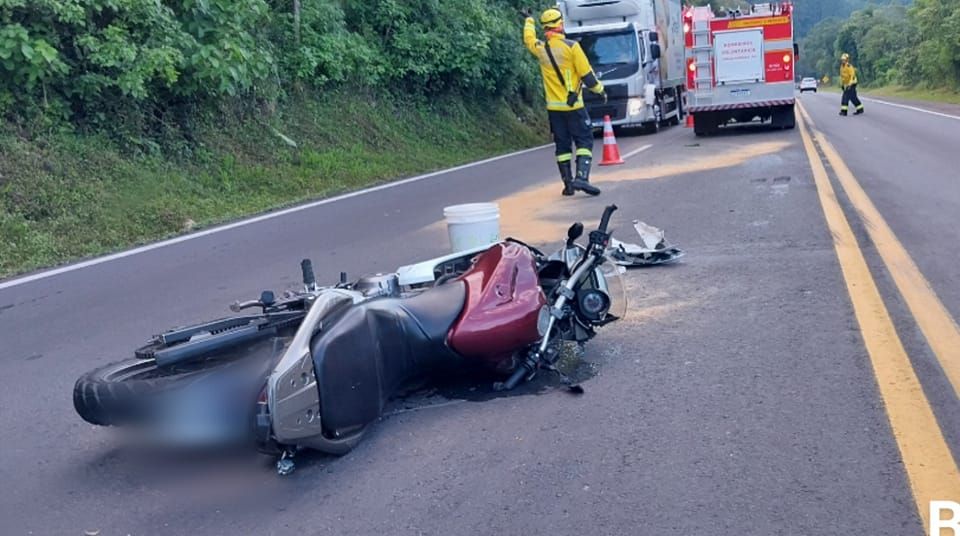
(938, 54)
(817, 49)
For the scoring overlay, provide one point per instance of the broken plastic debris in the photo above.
(653, 248)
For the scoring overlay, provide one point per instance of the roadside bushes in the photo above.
(917, 45)
(65, 195)
(78, 60)
(103, 63)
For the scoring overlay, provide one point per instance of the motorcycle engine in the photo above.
(380, 285)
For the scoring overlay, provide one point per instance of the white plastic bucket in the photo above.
(472, 225)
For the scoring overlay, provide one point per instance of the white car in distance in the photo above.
(808, 84)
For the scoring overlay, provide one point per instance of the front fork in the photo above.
(543, 353)
(599, 240)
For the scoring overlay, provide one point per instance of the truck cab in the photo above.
(634, 46)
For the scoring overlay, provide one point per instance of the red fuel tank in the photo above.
(503, 303)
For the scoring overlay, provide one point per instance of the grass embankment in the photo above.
(902, 92)
(64, 196)
(930, 95)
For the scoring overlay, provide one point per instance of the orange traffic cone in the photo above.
(611, 153)
(689, 120)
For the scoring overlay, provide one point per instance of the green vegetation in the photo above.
(134, 64)
(66, 196)
(124, 121)
(904, 92)
(915, 47)
(914, 93)
(807, 13)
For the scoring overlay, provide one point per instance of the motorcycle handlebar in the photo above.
(513, 380)
(306, 268)
(238, 306)
(605, 219)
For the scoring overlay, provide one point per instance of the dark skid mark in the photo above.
(34, 357)
(763, 179)
(34, 300)
(477, 386)
(7, 306)
(781, 180)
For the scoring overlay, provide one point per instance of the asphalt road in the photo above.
(906, 160)
(738, 397)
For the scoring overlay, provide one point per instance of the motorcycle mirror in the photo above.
(267, 298)
(575, 232)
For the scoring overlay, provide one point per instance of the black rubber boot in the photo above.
(582, 180)
(858, 112)
(843, 113)
(567, 177)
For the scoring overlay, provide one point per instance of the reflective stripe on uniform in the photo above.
(584, 152)
(565, 157)
(843, 108)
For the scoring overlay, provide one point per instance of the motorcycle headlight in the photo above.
(543, 320)
(593, 303)
(614, 286)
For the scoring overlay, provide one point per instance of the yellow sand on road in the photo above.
(540, 214)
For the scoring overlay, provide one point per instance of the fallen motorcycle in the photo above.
(315, 368)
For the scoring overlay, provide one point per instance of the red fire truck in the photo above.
(740, 66)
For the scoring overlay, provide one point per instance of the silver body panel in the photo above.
(293, 398)
(292, 394)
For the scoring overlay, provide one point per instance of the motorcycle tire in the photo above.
(111, 394)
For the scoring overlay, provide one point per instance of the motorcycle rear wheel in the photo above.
(111, 394)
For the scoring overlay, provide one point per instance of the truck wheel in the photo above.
(677, 109)
(651, 127)
(783, 117)
(704, 124)
(675, 120)
(791, 121)
(661, 119)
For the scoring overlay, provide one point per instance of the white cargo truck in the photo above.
(636, 48)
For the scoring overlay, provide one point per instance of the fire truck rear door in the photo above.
(739, 56)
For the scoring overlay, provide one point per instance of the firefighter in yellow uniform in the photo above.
(848, 82)
(565, 70)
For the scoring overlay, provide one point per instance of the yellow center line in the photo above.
(929, 464)
(936, 323)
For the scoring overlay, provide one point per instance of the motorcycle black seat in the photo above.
(364, 355)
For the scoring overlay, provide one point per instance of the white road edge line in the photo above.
(637, 151)
(906, 107)
(256, 219)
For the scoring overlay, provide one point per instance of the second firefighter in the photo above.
(848, 82)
